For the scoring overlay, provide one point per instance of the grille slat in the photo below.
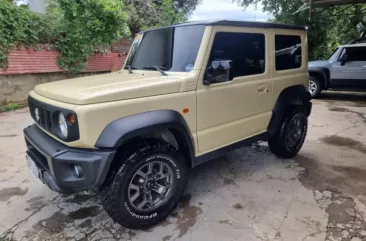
(45, 120)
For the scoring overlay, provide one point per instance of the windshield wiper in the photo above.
(130, 68)
(157, 68)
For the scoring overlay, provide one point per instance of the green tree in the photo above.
(87, 25)
(328, 27)
(20, 27)
(153, 13)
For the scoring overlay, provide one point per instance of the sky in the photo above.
(226, 9)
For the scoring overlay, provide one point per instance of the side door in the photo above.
(350, 69)
(239, 108)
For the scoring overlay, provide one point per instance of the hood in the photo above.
(108, 87)
(318, 63)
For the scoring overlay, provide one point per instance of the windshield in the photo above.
(334, 55)
(173, 49)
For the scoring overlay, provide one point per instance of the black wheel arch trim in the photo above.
(323, 72)
(116, 133)
(297, 95)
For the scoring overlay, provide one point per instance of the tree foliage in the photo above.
(77, 28)
(20, 27)
(328, 27)
(85, 26)
(152, 13)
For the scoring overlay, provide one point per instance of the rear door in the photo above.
(351, 75)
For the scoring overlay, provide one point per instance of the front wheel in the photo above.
(290, 137)
(315, 87)
(146, 187)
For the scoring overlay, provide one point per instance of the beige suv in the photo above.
(187, 94)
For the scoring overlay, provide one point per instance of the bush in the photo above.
(76, 27)
(87, 25)
(20, 27)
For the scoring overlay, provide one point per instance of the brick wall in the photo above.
(29, 67)
(30, 61)
(122, 46)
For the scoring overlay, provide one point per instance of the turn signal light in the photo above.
(72, 119)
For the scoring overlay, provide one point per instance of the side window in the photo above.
(288, 52)
(356, 54)
(245, 50)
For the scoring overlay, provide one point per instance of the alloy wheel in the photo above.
(151, 186)
(312, 87)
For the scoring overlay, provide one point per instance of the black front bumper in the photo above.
(56, 162)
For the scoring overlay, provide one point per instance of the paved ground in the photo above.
(248, 194)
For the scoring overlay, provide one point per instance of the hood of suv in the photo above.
(318, 63)
(108, 87)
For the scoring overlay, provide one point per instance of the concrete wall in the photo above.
(15, 88)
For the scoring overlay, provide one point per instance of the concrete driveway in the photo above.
(248, 194)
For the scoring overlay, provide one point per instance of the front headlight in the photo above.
(63, 124)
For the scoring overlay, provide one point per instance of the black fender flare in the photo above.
(323, 72)
(116, 133)
(297, 95)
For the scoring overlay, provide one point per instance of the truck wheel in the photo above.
(146, 187)
(315, 87)
(290, 137)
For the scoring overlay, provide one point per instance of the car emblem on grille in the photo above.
(36, 114)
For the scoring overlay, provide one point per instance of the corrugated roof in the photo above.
(329, 3)
(237, 24)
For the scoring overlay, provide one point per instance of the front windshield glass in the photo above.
(333, 56)
(172, 49)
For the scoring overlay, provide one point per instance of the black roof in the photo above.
(238, 24)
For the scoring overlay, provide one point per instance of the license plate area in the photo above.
(32, 168)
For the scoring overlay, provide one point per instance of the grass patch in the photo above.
(12, 106)
(6, 239)
(9, 107)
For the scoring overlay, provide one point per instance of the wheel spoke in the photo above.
(141, 174)
(151, 202)
(143, 203)
(134, 197)
(160, 176)
(160, 188)
(150, 168)
(134, 187)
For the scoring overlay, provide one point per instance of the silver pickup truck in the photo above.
(345, 70)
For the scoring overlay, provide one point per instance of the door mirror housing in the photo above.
(343, 59)
(218, 71)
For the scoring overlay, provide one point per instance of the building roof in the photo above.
(238, 24)
(330, 3)
(354, 45)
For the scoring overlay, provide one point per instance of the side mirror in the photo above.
(343, 59)
(218, 71)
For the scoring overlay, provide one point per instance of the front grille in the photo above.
(48, 119)
(45, 114)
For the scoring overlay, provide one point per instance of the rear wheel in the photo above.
(146, 187)
(290, 137)
(315, 87)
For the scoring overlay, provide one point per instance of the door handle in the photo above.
(262, 89)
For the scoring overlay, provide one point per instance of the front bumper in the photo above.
(56, 162)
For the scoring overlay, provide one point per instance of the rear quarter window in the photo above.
(288, 52)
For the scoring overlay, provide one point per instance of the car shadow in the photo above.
(344, 96)
(358, 99)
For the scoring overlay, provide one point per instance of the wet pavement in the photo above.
(247, 194)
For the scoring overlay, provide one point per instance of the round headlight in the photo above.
(37, 114)
(63, 124)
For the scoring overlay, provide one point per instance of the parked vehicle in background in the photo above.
(188, 93)
(345, 70)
